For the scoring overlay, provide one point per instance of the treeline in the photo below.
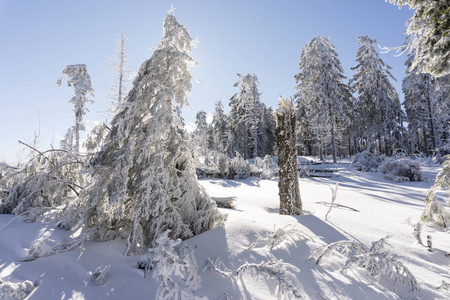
(336, 116)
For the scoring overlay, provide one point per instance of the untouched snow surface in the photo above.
(382, 208)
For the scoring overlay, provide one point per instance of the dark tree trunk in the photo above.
(290, 201)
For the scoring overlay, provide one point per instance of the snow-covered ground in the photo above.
(371, 208)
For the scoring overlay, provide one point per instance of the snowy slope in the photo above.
(379, 208)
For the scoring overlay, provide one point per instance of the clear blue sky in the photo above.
(39, 38)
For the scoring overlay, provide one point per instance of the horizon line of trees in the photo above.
(335, 117)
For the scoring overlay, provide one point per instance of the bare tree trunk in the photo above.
(290, 201)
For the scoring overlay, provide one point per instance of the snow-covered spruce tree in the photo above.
(143, 179)
(78, 77)
(120, 64)
(201, 133)
(428, 31)
(245, 117)
(320, 86)
(290, 201)
(220, 125)
(426, 108)
(378, 106)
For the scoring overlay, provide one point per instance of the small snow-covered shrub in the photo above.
(435, 212)
(238, 168)
(275, 270)
(269, 167)
(367, 161)
(21, 290)
(401, 169)
(221, 162)
(259, 163)
(98, 277)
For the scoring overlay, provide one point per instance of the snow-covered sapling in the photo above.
(175, 267)
(278, 270)
(79, 78)
(98, 277)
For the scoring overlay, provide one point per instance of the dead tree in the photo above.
(290, 201)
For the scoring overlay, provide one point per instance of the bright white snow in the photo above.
(383, 208)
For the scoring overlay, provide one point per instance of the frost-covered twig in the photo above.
(278, 236)
(275, 270)
(343, 247)
(217, 265)
(43, 247)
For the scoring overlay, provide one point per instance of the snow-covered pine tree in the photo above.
(245, 117)
(143, 179)
(220, 125)
(320, 84)
(120, 64)
(427, 36)
(201, 133)
(378, 106)
(78, 77)
(290, 201)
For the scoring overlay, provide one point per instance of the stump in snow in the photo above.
(290, 201)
